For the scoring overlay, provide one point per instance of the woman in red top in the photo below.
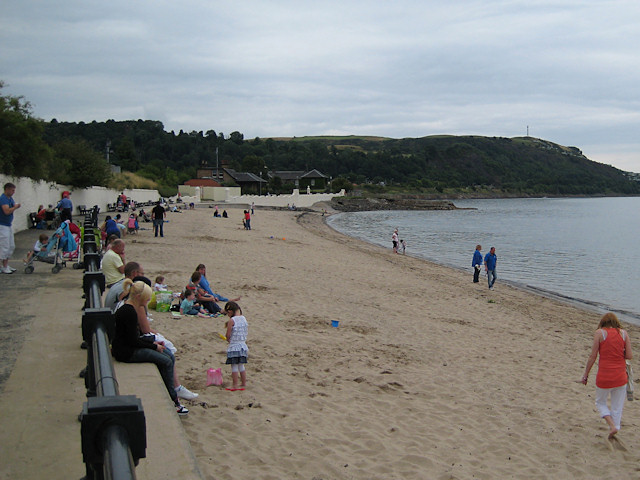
(614, 346)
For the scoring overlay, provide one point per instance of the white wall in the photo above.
(219, 194)
(31, 193)
(187, 190)
(300, 201)
(233, 195)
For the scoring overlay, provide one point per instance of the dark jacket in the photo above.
(127, 337)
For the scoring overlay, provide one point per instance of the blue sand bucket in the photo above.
(334, 323)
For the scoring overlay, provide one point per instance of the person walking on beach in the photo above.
(7, 242)
(158, 214)
(237, 352)
(490, 261)
(476, 263)
(394, 240)
(614, 346)
(247, 220)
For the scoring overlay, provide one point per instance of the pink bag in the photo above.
(214, 376)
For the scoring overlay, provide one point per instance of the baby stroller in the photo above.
(61, 247)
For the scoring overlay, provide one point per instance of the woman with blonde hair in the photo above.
(613, 345)
(128, 346)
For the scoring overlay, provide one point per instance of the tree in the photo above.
(339, 183)
(253, 164)
(85, 166)
(236, 137)
(126, 155)
(275, 185)
(23, 152)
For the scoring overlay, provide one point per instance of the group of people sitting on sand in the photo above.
(128, 295)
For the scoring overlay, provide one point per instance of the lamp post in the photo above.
(260, 182)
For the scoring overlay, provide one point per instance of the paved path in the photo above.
(41, 393)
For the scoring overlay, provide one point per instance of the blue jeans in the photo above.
(491, 277)
(158, 224)
(164, 361)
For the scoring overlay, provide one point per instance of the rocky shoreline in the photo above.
(404, 202)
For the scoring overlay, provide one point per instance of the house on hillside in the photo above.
(249, 183)
(301, 179)
(210, 172)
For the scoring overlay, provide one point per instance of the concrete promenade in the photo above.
(41, 393)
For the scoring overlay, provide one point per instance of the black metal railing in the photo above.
(113, 426)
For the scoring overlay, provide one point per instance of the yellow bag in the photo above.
(152, 302)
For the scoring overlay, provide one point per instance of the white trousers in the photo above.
(618, 396)
(7, 245)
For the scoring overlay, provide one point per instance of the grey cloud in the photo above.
(569, 69)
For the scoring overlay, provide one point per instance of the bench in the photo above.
(111, 207)
(83, 209)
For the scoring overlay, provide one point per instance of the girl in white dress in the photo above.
(237, 352)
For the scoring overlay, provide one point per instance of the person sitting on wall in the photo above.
(41, 213)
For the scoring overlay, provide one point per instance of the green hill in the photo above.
(442, 163)
(77, 154)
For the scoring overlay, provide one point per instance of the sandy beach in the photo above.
(427, 375)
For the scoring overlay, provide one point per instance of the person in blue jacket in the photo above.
(490, 261)
(204, 284)
(65, 206)
(476, 263)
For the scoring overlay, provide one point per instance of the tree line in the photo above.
(76, 153)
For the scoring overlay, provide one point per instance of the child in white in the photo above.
(41, 244)
(160, 286)
(237, 352)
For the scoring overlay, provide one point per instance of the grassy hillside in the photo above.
(432, 164)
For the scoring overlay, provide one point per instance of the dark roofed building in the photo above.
(314, 179)
(287, 176)
(209, 172)
(248, 182)
(301, 179)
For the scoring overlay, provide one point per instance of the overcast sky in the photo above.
(569, 70)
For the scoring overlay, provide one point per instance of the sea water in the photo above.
(584, 249)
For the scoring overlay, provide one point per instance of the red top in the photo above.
(612, 370)
(73, 228)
